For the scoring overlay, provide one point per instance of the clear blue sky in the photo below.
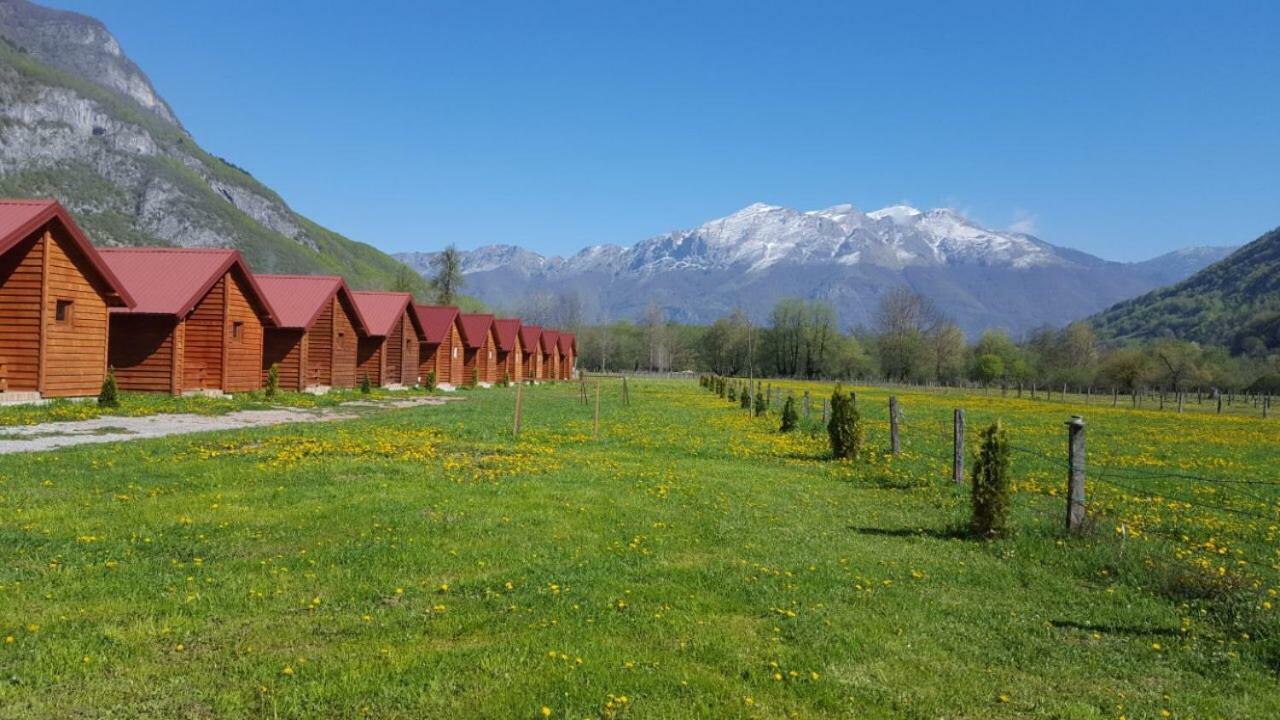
(1122, 129)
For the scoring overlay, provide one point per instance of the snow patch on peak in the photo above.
(899, 214)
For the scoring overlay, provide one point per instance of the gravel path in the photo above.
(51, 436)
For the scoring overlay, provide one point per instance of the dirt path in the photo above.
(54, 435)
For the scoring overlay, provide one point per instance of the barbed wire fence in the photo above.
(1124, 489)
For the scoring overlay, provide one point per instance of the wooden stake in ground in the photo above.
(515, 428)
(595, 424)
(806, 405)
(1075, 473)
(957, 461)
(894, 445)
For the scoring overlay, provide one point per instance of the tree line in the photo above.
(910, 340)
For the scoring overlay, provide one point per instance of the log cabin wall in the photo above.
(393, 347)
(20, 283)
(344, 344)
(369, 360)
(142, 352)
(489, 366)
(283, 348)
(533, 364)
(456, 353)
(242, 337)
(76, 326)
(429, 355)
(202, 354)
(409, 353)
(320, 344)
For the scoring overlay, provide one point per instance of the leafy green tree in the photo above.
(988, 369)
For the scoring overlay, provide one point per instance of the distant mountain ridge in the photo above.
(762, 253)
(81, 122)
(1233, 302)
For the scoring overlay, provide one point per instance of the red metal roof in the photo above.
(549, 339)
(435, 321)
(299, 299)
(20, 218)
(507, 330)
(567, 342)
(171, 281)
(475, 329)
(530, 336)
(381, 310)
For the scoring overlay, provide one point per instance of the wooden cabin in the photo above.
(55, 291)
(568, 344)
(388, 352)
(510, 355)
(550, 355)
(197, 326)
(531, 342)
(314, 345)
(442, 349)
(479, 357)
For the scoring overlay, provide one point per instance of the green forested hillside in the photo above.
(1234, 302)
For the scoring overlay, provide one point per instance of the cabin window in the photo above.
(64, 312)
(455, 351)
(342, 340)
(237, 331)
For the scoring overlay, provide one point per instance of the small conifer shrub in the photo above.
(366, 387)
(506, 379)
(744, 397)
(760, 406)
(844, 428)
(273, 380)
(109, 396)
(431, 380)
(990, 492)
(733, 394)
(790, 418)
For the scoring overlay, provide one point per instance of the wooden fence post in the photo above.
(1219, 403)
(824, 411)
(894, 444)
(595, 424)
(957, 460)
(626, 392)
(515, 428)
(1266, 405)
(1075, 473)
(806, 405)
(1179, 401)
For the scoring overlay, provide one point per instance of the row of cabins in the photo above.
(182, 321)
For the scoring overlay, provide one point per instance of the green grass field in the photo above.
(691, 562)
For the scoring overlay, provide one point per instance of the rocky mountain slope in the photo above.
(762, 253)
(1234, 302)
(81, 122)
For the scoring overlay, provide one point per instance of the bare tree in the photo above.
(655, 329)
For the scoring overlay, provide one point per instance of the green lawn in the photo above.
(692, 562)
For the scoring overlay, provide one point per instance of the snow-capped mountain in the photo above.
(751, 258)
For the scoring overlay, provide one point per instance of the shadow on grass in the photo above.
(951, 533)
(1114, 629)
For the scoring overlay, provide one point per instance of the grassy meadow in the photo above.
(690, 562)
